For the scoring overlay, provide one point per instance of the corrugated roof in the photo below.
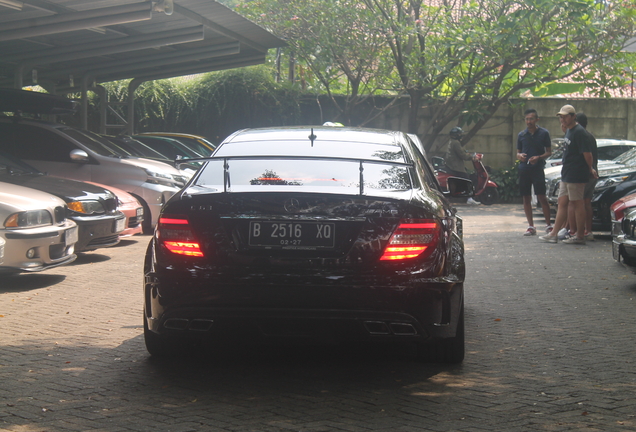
(59, 43)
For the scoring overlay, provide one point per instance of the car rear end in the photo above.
(306, 245)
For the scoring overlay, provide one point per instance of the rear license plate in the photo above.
(292, 235)
(120, 224)
(71, 236)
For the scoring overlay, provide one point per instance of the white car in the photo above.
(35, 234)
(608, 150)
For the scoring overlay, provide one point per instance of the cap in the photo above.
(566, 109)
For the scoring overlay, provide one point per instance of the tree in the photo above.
(337, 42)
(460, 59)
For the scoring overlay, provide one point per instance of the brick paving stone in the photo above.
(550, 331)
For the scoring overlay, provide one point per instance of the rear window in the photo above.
(344, 149)
(251, 174)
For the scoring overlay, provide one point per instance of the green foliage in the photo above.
(507, 180)
(213, 104)
(460, 60)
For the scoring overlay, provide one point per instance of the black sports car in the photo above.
(331, 234)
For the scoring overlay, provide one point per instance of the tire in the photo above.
(489, 196)
(453, 349)
(157, 345)
(448, 351)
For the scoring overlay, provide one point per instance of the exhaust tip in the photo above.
(176, 324)
(200, 325)
(403, 329)
(377, 327)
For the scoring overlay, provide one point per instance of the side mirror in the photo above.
(79, 156)
(460, 187)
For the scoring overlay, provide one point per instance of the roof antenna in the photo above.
(312, 137)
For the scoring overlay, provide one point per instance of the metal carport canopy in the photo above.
(73, 45)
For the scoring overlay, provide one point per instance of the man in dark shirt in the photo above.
(533, 147)
(578, 167)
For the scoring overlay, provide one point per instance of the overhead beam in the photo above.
(76, 21)
(111, 46)
(217, 28)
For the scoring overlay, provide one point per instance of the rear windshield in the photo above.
(306, 174)
(345, 149)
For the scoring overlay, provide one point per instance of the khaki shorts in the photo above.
(574, 191)
(589, 188)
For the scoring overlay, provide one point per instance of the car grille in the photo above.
(110, 205)
(627, 226)
(103, 241)
(60, 214)
(134, 222)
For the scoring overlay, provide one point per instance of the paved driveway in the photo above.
(550, 339)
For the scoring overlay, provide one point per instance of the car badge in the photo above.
(292, 205)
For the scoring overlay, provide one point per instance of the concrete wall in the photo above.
(607, 118)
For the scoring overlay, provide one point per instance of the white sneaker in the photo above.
(563, 234)
(472, 202)
(530, 231)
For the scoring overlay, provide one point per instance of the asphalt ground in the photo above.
(550, 347)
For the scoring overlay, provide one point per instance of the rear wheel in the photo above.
(449, 350)
(453, 348)
(157, 345)
(489, 196)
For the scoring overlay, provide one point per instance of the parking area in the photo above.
(550, 347)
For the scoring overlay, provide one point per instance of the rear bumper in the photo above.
(332, 312)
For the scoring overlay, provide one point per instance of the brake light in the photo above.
(175, 234)
(411, 239)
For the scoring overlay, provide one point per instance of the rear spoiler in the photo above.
(226, 166)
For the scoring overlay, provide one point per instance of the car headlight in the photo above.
(181, 180)
(29, 218)
(86, 207)
(160, 178)
(610, 181)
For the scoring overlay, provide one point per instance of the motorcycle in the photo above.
(486, 191)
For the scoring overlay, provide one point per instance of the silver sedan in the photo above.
(35, 231)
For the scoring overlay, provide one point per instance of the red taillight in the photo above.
(175, 234)
(411, 239)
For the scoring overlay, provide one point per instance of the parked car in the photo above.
(35, 234)
(126, 146)
(608, 150)
(623, 213)
(130, 207)
(615, 168)
(92, 208)
(197, 143)
(320, 233)
(171, 148)
(71, 153)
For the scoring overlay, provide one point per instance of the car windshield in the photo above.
(10, 165)
(92, 141)
(627, 158)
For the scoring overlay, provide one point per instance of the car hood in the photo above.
(15, 198)
(68, 190)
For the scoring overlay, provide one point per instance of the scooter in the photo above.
(486, 191)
